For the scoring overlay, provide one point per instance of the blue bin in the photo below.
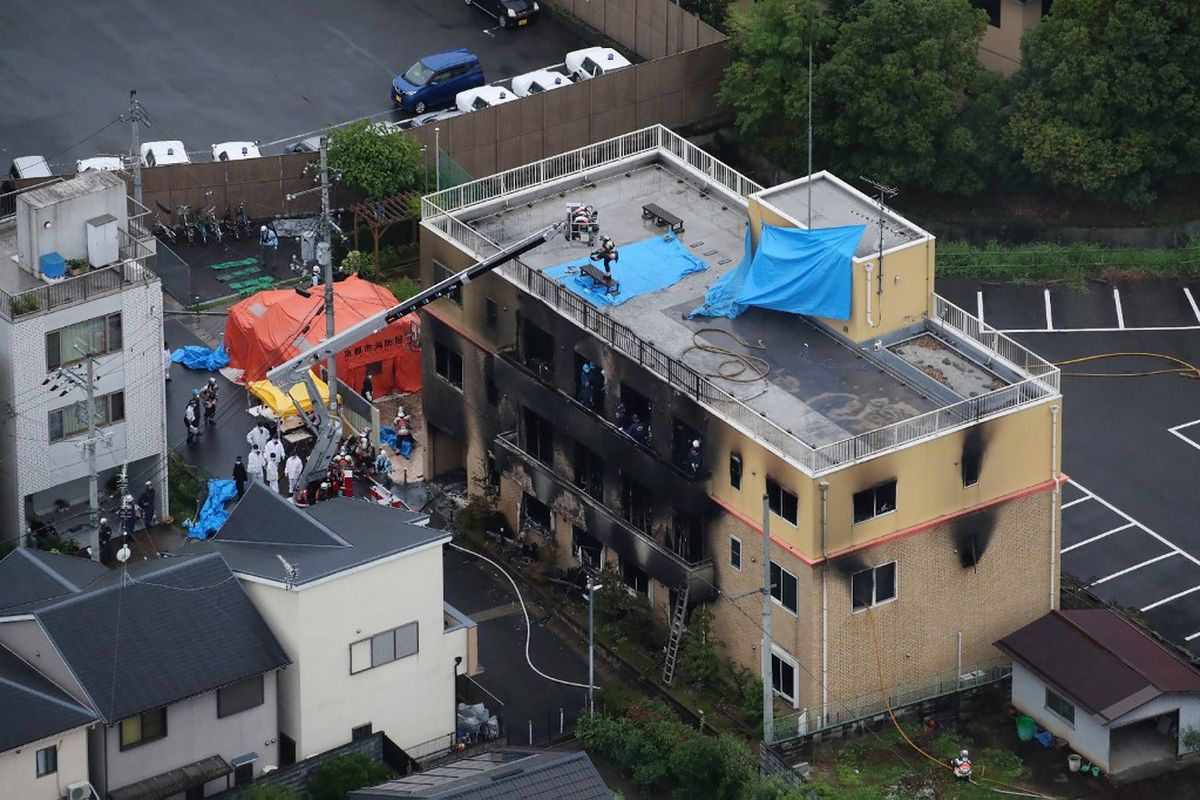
(52, 265)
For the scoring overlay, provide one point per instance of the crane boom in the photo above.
(326, 429)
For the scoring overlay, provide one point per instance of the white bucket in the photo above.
(1073, 762)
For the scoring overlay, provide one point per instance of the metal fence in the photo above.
(807, 722)
(69, 291)
(438, 212)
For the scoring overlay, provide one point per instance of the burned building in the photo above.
(907, 455)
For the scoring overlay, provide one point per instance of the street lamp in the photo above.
(591, 588)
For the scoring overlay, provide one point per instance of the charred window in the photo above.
(447, 363)
(589, 384)
(687, 448)
(491, 312)
(735, 471)
(687, 537)
(635, 579)
(873, 502)
(539, 438)
(635, 505)
(587, 549)
(632, 414)
(537, 350)
(873, 586)
(782, 502)
(536, 514)
(440, 273)
(589, 472)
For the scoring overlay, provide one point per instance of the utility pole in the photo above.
(768, 697)
(325, 250)
(137, 113)
(810, 132)
(885, 192)
(591, 695)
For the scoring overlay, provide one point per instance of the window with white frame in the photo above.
(873, 586)
(47, 761)
(783, 676)
(874, 502)
(72, 420)
(1060, 705)
(735, 553)
(783, 587)
(93, 337)
(384, 648)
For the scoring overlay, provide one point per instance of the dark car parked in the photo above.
(509, 12)
(436, 79)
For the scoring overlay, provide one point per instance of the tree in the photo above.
(714, 12)
(905, 99)
(711, 767)
(269, 791)
(1108, 97)
(341, 775)
(699, 661)
(767, 79)
(382, 164)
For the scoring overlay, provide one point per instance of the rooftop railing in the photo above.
(1040, 378)
(81, 288)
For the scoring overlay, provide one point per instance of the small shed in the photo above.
(1121, 699)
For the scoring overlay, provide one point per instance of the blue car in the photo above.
(436, 79)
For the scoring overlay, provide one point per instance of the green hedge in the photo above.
(1062, 261)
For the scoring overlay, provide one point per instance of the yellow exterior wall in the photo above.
(1000, 49)
(906, 297)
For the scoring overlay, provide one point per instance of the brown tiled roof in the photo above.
(1099, 659)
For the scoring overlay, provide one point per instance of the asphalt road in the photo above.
(1128, 532)
(215, 71)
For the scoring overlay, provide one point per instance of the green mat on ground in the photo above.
(241, 262)
(238, 274)
(248, 287)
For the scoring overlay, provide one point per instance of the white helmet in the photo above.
(263, 229)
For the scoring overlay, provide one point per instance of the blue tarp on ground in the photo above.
(213, 515)
(387, 436)
(794, 270)
(644, 267)
(193, 356)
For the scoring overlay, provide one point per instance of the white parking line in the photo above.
(1049, 312)
(1127, 570)
(1083, 499)
(1098, 538)
(1176, 431)
(979, 307)
(1192, 302)
(1116, 510)
(1175, 596)
(1150, 329)
(1120, 313)
(1189, 638)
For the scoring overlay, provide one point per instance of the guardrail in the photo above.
(437, 212)
(807, 722)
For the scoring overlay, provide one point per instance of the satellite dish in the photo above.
(124, 553)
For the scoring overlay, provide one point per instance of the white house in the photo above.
(1121, 699)
(50, 321)
(353, 590)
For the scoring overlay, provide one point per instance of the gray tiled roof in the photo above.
(33, 707)
(319, 541)
(503, 774)
(159, 632)
(28, 575)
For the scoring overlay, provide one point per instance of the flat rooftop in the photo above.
(818, 388)
(13, 279)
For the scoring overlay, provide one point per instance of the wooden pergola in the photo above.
(380, 215)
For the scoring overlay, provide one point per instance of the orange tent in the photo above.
(267, 328)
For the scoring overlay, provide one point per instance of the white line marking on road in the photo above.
(1192, 302)
(1083, 499)
(1189, 638)
(1120, 313)
(1049, 313)
(1098, 537)
(1127, 570)
(1176, 432)
(1151, 329)
(979, 307)
(1116, 510)
(1184, 593)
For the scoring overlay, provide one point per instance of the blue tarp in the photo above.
(193, 356)
(794, 270)
(644, 267)
(387, 436)
(213, 515)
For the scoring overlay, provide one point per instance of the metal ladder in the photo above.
(678, 616)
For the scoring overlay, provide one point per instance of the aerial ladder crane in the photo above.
(326, 428)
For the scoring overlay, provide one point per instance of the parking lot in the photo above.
(266, 71)
(1131, 444)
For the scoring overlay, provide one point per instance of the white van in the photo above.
(100, 163)
(482, 97)
(235, 151)
(29, 167)
(158, 154)
(591, 62)
(538, 81)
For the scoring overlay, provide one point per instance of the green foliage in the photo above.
(269, 791)
(749, 691)
(699, 661)
(774, 788)
(381, 164)
(1108, 97)
(339, 776)
(625, 617)
(618, 699)
(404, 287)
(357, 262)
(480, 514)
(23, 304)
(1043, 261)
(1191, 738)
(714, 12)
(184, 488)
(716, 767)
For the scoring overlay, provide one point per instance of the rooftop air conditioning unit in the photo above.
(971, 678)
(80, 791)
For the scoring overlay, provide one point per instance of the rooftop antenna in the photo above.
(884, 192)
(810, 131)
(289, 572)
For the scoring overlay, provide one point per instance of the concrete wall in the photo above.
(195, 732)
(412, 699)
(18, 767)
(650, 28)
(1088, 737)
(1188, 706)
(136, 369)
(67, 231)
(1000, 49)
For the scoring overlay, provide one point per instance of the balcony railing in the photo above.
(81, 288)
(438, 209)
